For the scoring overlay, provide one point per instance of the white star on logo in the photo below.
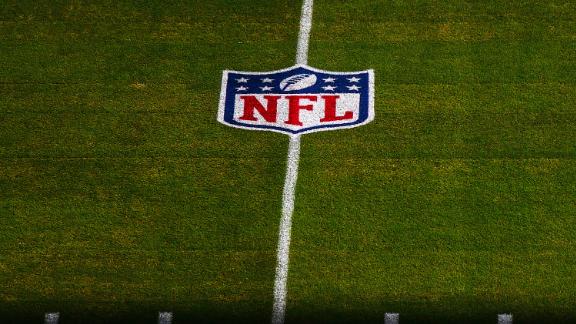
(241, 88)
(242, 80)
(327, 80)
(267, 80)
(354, 87)
(329, 87)
(353, 79)
(266, 88)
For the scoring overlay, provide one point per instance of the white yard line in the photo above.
(51, 318)
(285, 228)
(279, 308)
(304, 33)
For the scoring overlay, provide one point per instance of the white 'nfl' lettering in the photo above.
(285, 110)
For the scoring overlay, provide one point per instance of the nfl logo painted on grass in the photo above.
(296, 100)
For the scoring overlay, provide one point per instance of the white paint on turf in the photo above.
(304, 33)
(298, 82)
(333, 101)
(165, 318)
(504, 318)
(391, 318)
(280, 291)
(51, 318)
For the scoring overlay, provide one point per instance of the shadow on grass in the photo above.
(128, 313)
(449, 310)
(437, 312)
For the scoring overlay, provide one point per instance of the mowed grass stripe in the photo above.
(431, 135)
(169, 31)
(519, 61)
(476, 98)
(173, 97)
(488, 205)
(199, 65)
(469, 30)
(175, 195)
(425, 62)
(432, 11)
(460, 21)
(457, 135)
(153, 21)
(234, 272)
(135, 12)
(128, 135)
(395, 31)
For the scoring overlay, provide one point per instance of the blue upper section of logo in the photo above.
(325, 83)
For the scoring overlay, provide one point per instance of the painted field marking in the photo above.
(391, 318)
(504, 318)
(51, 318)
(280, 290)
(294, 101)
(165, 318)
(304, 33)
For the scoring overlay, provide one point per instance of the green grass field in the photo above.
(121, 195)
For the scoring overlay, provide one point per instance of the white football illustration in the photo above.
(298, 82)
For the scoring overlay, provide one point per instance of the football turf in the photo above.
(120, 194)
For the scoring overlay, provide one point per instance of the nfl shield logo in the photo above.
(296, 100)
